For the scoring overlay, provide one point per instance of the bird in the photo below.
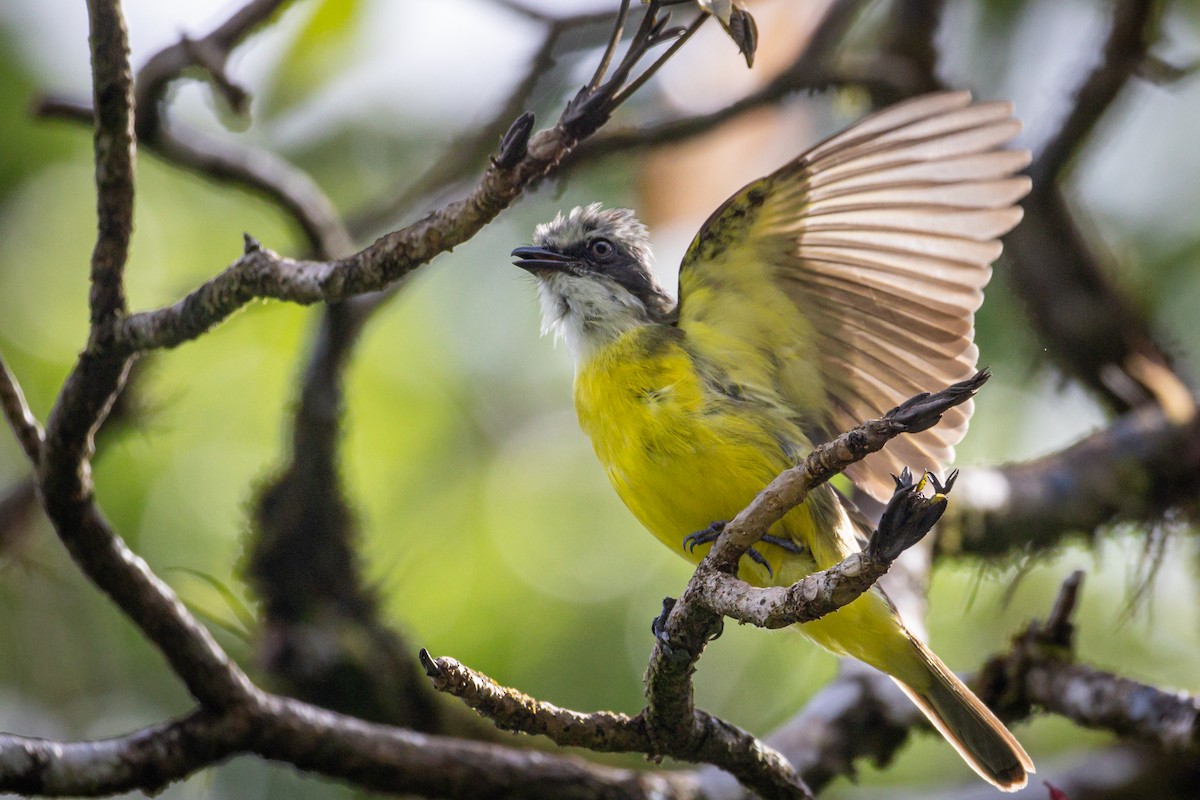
(813, 299)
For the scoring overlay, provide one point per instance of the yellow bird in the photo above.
(815, 298)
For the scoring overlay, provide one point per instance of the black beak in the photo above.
(537, 259)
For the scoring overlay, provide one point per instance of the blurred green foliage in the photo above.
(487, 525)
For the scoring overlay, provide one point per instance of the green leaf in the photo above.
(243, 618)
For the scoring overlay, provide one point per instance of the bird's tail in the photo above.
(974, 731)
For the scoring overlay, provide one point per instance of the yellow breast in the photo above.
(681, 450)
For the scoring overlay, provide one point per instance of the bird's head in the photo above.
(594, 278)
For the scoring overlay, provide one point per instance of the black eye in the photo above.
(602, 249)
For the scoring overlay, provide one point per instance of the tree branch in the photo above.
(1133, 470)
(1089, 325)
(374, 757)
(713, 740)
(1129, 41)
(209, 53)
(811, 69)
(24, 425)
(112, 95)
(671, 724)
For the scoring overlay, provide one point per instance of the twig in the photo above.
(210, 53)
(463, 157)
(1129, 41)
(810, 70)
(26, 427)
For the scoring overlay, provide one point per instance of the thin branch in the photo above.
(614, 40)
(1129, 41)
(679, 42)
(259, 171)
(88, 395)
(210, 53)
(24, 425)
(811, 69)
(462, 158)
(112, 95)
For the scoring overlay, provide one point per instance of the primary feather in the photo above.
(871, 250)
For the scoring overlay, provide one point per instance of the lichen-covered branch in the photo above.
(712, 740)
(512, 710)
(1135, 469)
(1093, 698)
(375, 757)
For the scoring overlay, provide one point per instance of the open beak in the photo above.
(537, 259)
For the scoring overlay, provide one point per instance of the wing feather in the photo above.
(847, 281)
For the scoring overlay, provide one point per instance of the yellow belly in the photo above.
(682, 455)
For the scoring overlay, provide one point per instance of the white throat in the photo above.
(587, 313)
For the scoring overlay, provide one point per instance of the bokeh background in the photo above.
(488, 528)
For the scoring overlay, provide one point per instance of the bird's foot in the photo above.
(909, 515)
(710, 534)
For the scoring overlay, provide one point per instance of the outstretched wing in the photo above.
(848, 280)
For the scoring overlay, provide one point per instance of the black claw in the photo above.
(710, 534)
(759, 558)
(786, 544)
(706, 536)
(514, 144)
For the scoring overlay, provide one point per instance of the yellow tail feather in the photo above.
(974, 731)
